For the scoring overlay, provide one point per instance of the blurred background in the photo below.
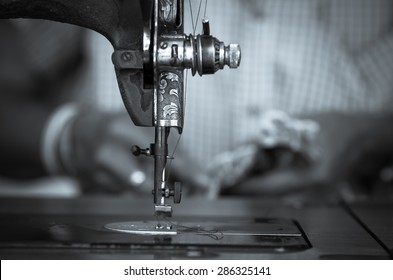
(307, 116)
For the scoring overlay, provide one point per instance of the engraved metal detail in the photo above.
(169, 9)
(170, 109)
(169, 99)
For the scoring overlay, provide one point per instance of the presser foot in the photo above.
(163, 210)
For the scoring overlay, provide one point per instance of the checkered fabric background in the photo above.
(299, 56)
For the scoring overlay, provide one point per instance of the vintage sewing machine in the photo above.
(150, 55)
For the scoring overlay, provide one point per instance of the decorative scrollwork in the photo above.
(170, 110)
(163, 84)
(169, 10)
(174, 92)
(172, 77)
(169, 99)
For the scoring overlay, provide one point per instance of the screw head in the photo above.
(126, 56)
(163, 45)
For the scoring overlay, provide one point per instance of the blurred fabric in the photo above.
(300, 56)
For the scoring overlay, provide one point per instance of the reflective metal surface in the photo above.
(143, 228)
(220, 228)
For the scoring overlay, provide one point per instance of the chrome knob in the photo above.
(233, 55)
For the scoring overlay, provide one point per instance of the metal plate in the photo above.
(143, 228)
(217, 228)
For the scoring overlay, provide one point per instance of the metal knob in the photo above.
(203, 54)
(210, 55)
(175, 192)
(233, 55)
(137, 151)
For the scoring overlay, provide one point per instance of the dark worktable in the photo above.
(74, 229)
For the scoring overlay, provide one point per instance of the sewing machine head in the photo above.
(159, 98)
(167, 53)
(150, 55)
